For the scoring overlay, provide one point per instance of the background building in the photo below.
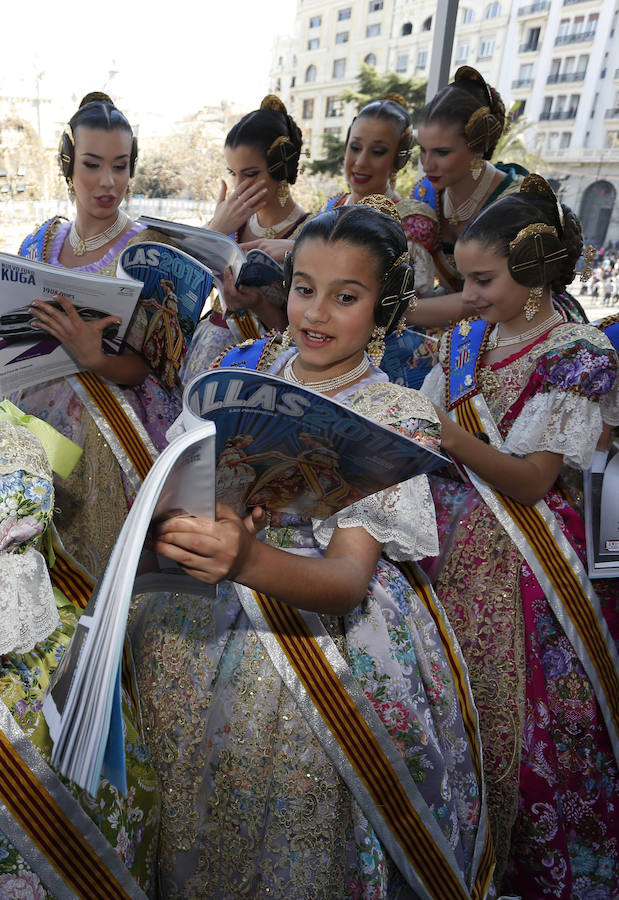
(557, 59)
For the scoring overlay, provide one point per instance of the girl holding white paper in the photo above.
(273, 771)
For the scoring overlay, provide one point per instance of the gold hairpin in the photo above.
(530, 231)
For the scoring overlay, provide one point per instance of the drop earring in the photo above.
(283, 193)
(71, 189)
(534, 301)
(376, 345)
(477, 165)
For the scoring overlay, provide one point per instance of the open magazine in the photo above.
(29, 355)
(601, 495)
(175, 290)
(219, 252)
(261, 441)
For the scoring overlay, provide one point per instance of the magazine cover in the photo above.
(260, 269)
(215, 250)
(601, 491)
(29, 355)
(175, 290)
(291, 449)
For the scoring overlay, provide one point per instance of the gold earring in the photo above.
(283, 193)
(534, 301)
(477, 164)
(376, 345)
(286, 338)
(401, 326)
(70, 189)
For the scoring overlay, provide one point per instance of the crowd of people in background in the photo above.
(603, 287)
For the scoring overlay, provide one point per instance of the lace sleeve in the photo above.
(433, 386)
(609, 405)
(27, 602)
(401, 518)
(560, 421)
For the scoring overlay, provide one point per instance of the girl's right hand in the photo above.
(233, 211)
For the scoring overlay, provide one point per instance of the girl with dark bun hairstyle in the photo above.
(259, 796)
(97, 156)
(262, 154)
(521, 390)
(458, 132)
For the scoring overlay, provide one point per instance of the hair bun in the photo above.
(468, 73)
(272, 101)
(382, 204)
(96, 96)
(397, 98)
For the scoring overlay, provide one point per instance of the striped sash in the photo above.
(246, 323)
(336, 707)
(559, 571)
(49, 828)
(118, 423)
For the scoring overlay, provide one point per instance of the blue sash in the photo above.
(32, 246)
(246, 355)
(465, 342)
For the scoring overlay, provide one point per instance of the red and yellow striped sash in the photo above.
(119, 422)
(361, 747)
(563, 578)
(51, 830)
(246, 324)
(423, 589)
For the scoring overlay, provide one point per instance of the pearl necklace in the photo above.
(82, 245)
(271, 231)
(494, 341)
(464, 211)
(330, 384)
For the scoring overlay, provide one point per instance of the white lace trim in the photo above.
(433, 386)
(401, 518)
(559, 421)
(20, 449)
(27, 604)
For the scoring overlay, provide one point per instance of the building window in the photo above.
(375, 5)
(313, 44)
(486, 49)
(462, 52)
(427, 25)
(566, 137)
(315, 22)
(422, 58)
(407, 28)
(343, 14)
(334, 132)
(492, 11)
(310, 73)
(278, 85)
(370, 59)
(334, 108)
(372, 30)
(341, 37)
(280, 62)
(308, 109)
(293, 81)
(592, 22)
(339, 68)
(401, 63)
(467, 16)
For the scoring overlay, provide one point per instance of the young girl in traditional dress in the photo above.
(522, 388)
(260, 796)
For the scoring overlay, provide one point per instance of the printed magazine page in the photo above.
(29, 355)
(176, 289)
(215, 250)
(293, 450)
(601, 492)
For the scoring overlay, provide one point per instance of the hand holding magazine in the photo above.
(276, 445)
(29, 355)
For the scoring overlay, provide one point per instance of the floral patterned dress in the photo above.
(93, 502)
(550, 770)
(38, 623)
(253, 805)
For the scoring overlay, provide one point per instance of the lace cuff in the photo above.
(562, 422)
(27, 602)
(401, 518)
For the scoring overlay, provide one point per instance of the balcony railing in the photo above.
(522, 83)
(538, 7)
(612, 113)
(561, 114)
(528, 48)
(557, 78)
(571, 2)
(575, 38)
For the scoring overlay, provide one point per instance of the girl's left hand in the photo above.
(210, 551)
(79, 338)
